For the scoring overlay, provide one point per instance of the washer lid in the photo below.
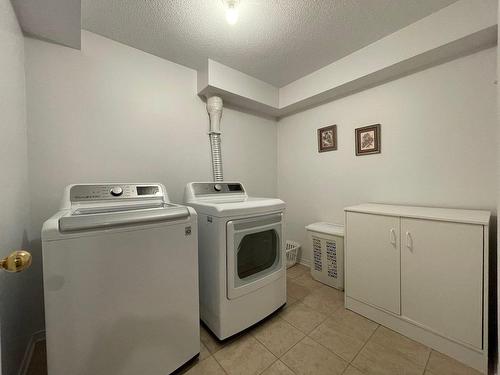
(104, 218)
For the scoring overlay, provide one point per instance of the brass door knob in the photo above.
(16, 262)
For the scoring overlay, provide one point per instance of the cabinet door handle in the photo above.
(409, 241)
(392, 236)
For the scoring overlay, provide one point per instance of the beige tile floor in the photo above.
(312, 335)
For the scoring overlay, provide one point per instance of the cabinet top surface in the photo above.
(429, 213)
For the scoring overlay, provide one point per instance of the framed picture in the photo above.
(368, 140)
(327, 138)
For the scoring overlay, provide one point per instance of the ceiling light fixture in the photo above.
(231, 11)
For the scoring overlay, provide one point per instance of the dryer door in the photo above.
(255, 253)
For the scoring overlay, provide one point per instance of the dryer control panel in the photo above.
(205, 188)
(83, 193)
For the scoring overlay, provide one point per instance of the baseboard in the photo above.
(28, 353)
(305, 262)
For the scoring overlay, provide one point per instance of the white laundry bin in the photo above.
(327, 244)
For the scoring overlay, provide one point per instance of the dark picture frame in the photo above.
(368, 140)
(327, 138)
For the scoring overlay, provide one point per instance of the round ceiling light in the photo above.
(231, 11)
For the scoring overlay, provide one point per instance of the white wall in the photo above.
(113, 113)
(497, 264)
(19, 293)
(438, 146)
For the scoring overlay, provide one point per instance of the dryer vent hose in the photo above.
(216, 157)
(214, 109)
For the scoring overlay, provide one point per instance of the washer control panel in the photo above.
(204, 188)
(82, 193)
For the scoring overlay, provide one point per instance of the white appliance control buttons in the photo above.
(116, 191)
(218, 187)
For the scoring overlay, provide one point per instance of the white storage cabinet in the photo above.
(422, 272)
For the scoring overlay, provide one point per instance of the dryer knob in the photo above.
(218, 187)
(116, 191)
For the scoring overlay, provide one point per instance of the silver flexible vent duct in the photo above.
(214, 109)
(216, 157)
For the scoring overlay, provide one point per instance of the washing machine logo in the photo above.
(187, 231)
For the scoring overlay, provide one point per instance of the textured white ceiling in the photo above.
(277, 41)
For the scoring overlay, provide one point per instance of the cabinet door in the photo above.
(442, 277)
(373, 260)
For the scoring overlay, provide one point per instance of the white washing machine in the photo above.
(241, 255)
(120, 266)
